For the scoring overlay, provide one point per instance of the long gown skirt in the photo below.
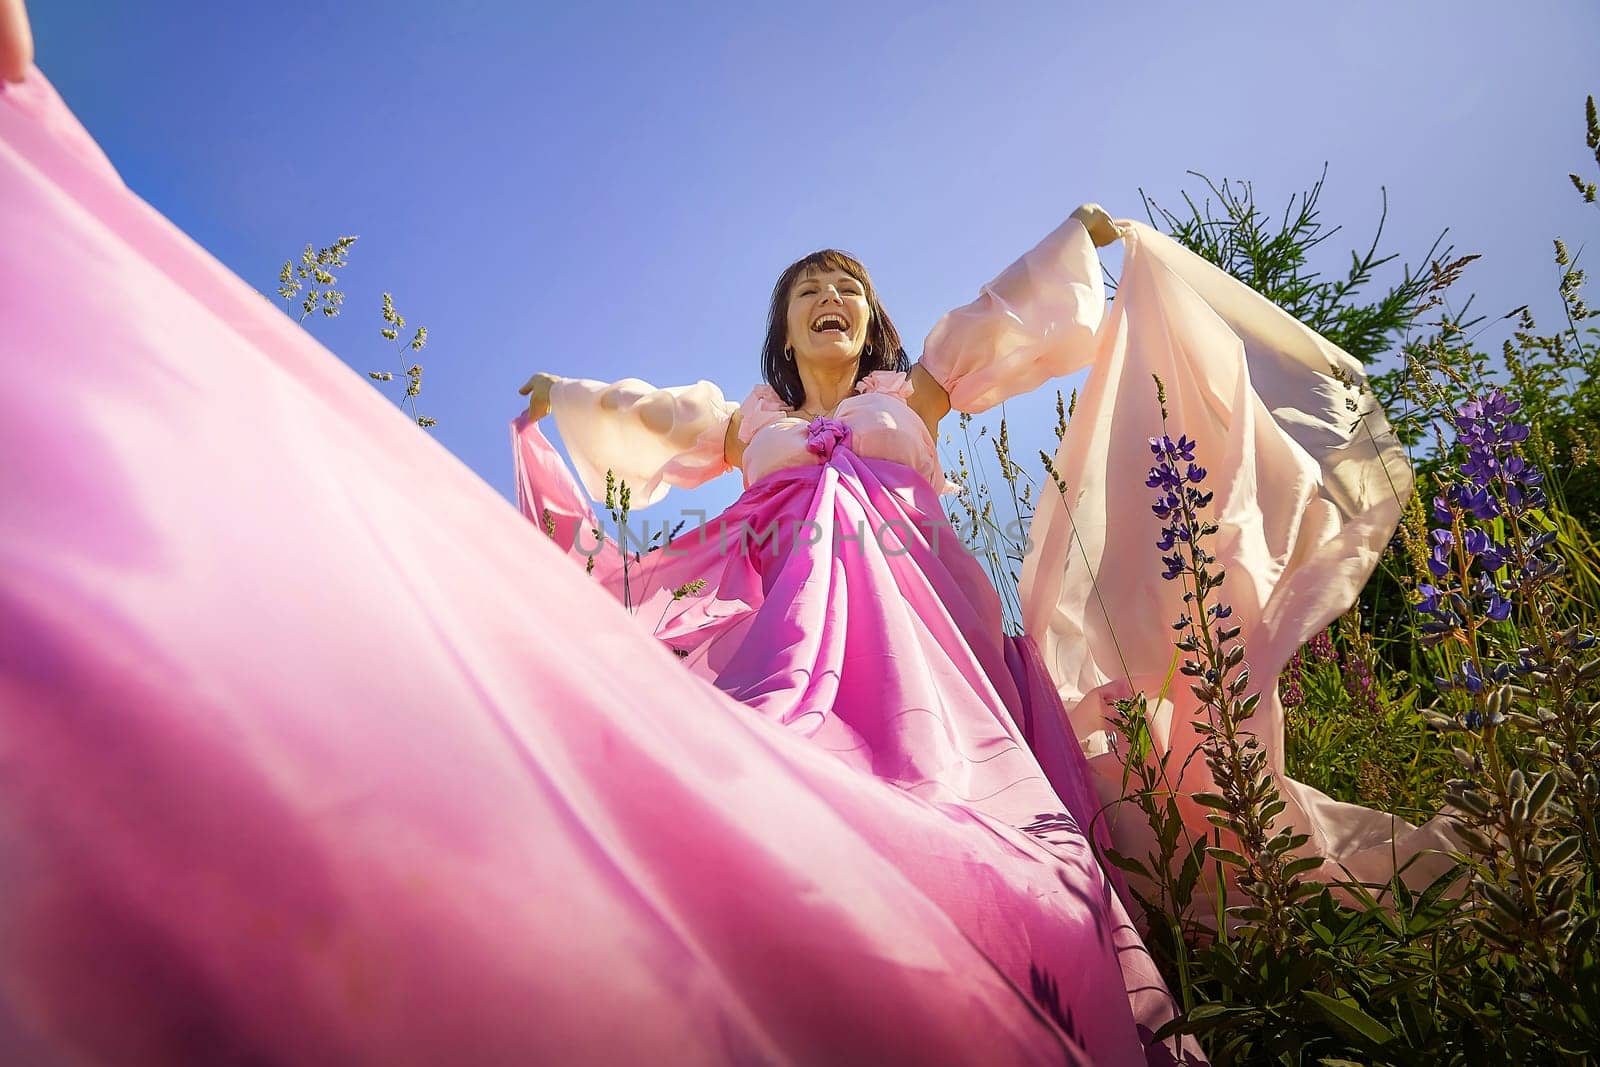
(838, 601)
(314, 750)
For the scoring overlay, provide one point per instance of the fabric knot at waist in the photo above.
(824, 434)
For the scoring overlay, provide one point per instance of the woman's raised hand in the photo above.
(1101, 229)
(537, 390)
(16, 43)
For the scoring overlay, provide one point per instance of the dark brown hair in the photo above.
(883, 340)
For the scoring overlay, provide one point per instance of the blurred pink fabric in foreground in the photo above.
(314, 750)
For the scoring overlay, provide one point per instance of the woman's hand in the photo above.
(537, 390)
(1101, 229)
(16, 43)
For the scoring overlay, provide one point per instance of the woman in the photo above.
(885, 649)
(834, 598)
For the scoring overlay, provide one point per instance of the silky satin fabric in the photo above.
(651, 438)
(833, 592)
(838, 602)
(1309, 483)
(314, 750)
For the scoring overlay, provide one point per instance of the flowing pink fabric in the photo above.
(313, 750)
(838, 602)
(1309, 482)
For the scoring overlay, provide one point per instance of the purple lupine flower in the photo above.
(1439, 557)
(1478, 501)
(1480, 546)
(824, 434)
(1289, 691)
(1495, 481)
(1491, 438)
(1499, 608)
(1177, 502)
(1168, 449)
(1359, 682)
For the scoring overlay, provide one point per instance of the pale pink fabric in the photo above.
(1309, 482)
(312, 749)
(650, 438)
(1036, 321)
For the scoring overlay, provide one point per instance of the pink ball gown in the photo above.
(312, 749)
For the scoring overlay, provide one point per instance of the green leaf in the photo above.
(1302, 865)
(1126, 863)
(1347, 1016)
(1202, 1018)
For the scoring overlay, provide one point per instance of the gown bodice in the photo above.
(882, 425)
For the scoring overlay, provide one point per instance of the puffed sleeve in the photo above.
(649, 437)
(1036, 321)
(761, 408)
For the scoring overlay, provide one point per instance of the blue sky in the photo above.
(610, 190)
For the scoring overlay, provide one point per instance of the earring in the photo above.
(868, 352)
(788, 353)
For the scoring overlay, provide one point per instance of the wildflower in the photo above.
(1491, 436)
(1469, 679)
(1496, 481)
(1289, 692)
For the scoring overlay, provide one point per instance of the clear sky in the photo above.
(610, 190)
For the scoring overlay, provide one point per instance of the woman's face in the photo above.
(828, 316)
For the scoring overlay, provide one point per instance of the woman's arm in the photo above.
(928, 398)
(732, 443)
